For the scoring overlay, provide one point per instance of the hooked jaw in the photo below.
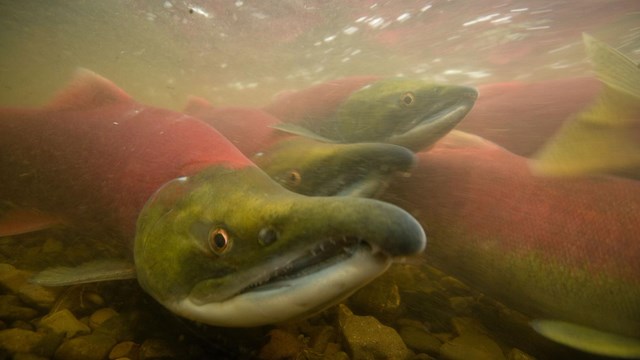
(298, 293)
(443, 117)
(285, 256)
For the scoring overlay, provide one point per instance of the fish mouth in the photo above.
(303, 284)
(324, 255)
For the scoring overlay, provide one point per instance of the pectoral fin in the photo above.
(299, 130)
(588, 339)
(93, 271)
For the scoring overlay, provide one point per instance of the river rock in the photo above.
(85, 347)
(101, 316)
(19, 340)
(463, 325)
(155, 349)
(17, 282)
(366, 338)
(517, 354)
(282, 345)
(321, 337)
(420, 340)
(125, 349)
(11, 308)
(381, 298)
(471, 346)
(64, 322)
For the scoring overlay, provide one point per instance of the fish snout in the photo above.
(384, 227)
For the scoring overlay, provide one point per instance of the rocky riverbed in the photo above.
(412, 312)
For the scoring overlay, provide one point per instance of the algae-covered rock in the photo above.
(85, 347)
(64, 322)
(11, 308)
(99, 317)
(282, 345)
(156, 349)
(381, 299)
(17, 282)
(366, 338)
(420, 340)
(18, 340)
(125, 349)
(517, 354)
(471, 346)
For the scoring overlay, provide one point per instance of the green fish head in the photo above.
(410, 113)
(317, 168)
(231, 247)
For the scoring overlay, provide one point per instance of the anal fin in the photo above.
(588, 339)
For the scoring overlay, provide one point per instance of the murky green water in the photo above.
(243, 53)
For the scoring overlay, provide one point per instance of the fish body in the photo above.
(523, 116)
(213, 238)
(301, 164)
(405, 112)
(102, 154)
(561, 251)
(604, 138)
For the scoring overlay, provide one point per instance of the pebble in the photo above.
(517, 354)
(462, 305)
(125, 349)
(321, 338)
(85, 347)
(11, 308)
(100, 316)
(152, 349)
(454, 286)
(420, 340)
(464, 325)
(366, 338)
(381, 299)
(17, 282)
(18, 340)
(471, 346)
(282, 345)
(64, 322)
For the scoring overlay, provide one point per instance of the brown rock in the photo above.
(86, 347)
(366, 338)
(63, 322)
(153, 349)
(471, 346)
(125, 349)
(282, 345)
(19, 340)
(11, 308)
(100, 317)
(420, 340)
(17, 282)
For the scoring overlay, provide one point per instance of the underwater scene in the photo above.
(320, 179)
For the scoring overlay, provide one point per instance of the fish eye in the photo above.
(267, 236)
(407, 99)
(293, 178)
(219, 241)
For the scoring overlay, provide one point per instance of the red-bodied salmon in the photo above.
(321, 169)
(214, 239)
(522, 116)
(402, 111)
(563, 251)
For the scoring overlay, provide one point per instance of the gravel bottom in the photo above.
(412, 312)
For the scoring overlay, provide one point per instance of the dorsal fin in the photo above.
(196, 105)
(88, 90)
